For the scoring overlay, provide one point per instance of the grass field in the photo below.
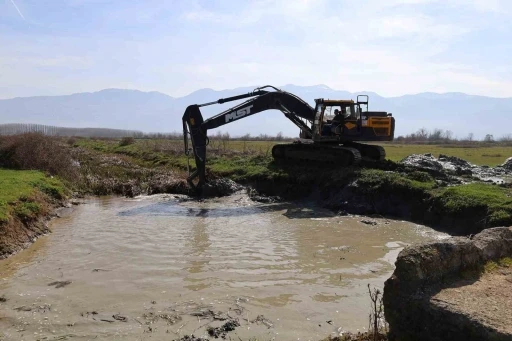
(238, 159)
(17, 187)
(490, 156)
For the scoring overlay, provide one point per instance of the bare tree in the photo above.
(489, 138)
(448, 135)
(436, 135)
(506, 138)
(422, 134)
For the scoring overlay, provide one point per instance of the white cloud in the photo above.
(388, 46)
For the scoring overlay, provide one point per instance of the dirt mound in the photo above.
(220, 187)
(507, 164)
(424, 161)
(459, 167)
(443, 163)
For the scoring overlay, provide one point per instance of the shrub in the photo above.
(36, 151)
(126, 141)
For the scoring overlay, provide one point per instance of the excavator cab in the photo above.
(336, 118)
(346, 120)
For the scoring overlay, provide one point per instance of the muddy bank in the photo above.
(102, 174)
(420, 188)
(390, 200)
(442, 291)
(19, 233)
(447, 193)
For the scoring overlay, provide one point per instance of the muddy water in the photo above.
(161, 267)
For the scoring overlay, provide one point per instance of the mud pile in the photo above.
(507, 164)
(220, 187)
(460, 167)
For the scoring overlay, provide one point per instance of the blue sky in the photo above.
(52, 47)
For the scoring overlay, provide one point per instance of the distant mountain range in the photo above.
(157, 112)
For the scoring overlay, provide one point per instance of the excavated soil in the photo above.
(459, 167)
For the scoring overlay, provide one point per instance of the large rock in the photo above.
(413, 306)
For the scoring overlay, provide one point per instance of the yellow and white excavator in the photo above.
(330, 132)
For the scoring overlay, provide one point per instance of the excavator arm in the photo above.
(294, 108)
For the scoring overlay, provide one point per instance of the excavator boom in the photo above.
(293, 107)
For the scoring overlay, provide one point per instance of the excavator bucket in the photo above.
(192, 121)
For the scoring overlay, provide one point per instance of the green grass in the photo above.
(27, 210)
(492, 266)
(465, 198)
(476, 203)
(374, 180)
(243, 168)
(17, 187)
(478, 154)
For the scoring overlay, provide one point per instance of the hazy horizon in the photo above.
(253, 87)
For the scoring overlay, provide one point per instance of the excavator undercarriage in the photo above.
(347, 154)
(329, 133)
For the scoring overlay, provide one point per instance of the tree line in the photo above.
(446, 136)
(423, 135)
(21, 128)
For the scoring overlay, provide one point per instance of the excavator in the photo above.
(329, 133)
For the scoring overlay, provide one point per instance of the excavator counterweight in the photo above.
(328, 133)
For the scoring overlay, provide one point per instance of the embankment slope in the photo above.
(456, 289)
(27, 198)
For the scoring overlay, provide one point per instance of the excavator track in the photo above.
(368, 152)
(309, 152)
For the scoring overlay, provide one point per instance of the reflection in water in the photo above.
(298, 266)
(14, 265)
(196, 251)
